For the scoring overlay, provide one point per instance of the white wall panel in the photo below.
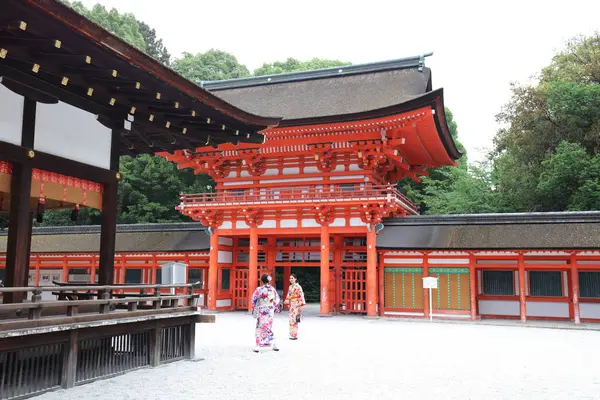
(66, 131)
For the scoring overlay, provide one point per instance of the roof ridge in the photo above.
(121, 228)
(331, 72)
(557, 217)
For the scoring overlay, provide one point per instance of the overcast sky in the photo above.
(478, 48)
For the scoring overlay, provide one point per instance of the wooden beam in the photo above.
(19, 232)
(109, 219)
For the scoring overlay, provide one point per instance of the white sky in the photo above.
(478, 48)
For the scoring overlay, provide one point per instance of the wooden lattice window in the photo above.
(589, 284)
(498, 283)
(545, 284)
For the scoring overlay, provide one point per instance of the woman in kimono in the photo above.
(295, 300)
(265, 302)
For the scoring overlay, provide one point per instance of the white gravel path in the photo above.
(356, 358)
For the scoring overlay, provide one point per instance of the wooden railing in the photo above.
(95, 303)
(375, 192)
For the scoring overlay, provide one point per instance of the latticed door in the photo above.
(353, 290)
(241, 296)
(403, 288)
(240, 289)
(453, 289)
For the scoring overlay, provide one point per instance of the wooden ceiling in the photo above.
(50, 53)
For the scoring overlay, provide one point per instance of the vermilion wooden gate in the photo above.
(353, 291)
(240, 287)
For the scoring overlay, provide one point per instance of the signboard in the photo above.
(430, 282)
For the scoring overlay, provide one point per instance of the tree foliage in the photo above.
(552, 131)
(293, 65)
(125, 25)
(210, 66)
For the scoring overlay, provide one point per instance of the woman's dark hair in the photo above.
(264, 278)
(294, 276)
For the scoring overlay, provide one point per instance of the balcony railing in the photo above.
(234, 197)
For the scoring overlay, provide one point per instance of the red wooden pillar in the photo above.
(473, 287)
(338, 256)
(253, 265)
(522, 300)
(371, 272)
(425, 291)
(381, 277)
(287, 271)
(575, 290)
(213, 271)
(324, 306)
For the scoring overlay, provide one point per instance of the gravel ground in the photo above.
(356, 358)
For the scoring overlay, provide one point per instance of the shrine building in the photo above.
(324, 179)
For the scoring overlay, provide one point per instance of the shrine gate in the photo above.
(324, 179)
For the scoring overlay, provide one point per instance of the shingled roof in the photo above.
(328, 92)
(562, 230)
(130, 238)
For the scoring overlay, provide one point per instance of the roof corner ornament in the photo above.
(421, 62)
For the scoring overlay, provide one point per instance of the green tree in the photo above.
(210, 66)
(125, 26)
(529, 151)
(293, 65)
(154, 46)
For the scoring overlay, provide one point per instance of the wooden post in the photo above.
(575, 290)
(426, 291)
(371, 272)
(522, 298)
(381, 290)
(473, 287)
(154, 345)
(338, 256)
(190, 343)
(69, 369)
(287, 271)
(324, 306)
(108, 229)
(19, 232)
(252, 265)
(213, 271)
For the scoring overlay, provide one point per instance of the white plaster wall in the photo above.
(354, 167)
(339, 168)
(316, 178)
(343, 177)
(356, 222)
(237, 183)
(11, 116)
(244, 173)
(225, 257)
(448, 261)
(268, 223)
(225, 241)
(289, 223)
(411, 261)
(224, 303)
(293, 171)
(226, 225)
(589, 310)
(547, 309)
(201, 300)
(499, 307)
(241, 225)
(308, 223)
(66, 131)
(338, 222)
(271, 172)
